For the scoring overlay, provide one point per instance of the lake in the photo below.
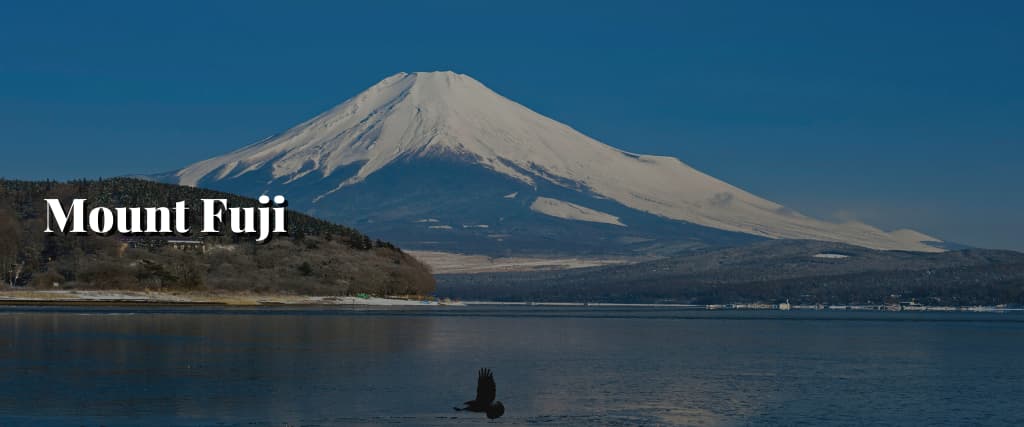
(553, 365)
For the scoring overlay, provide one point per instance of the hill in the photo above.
(315, 257)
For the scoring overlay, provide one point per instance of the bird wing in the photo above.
(486, 390)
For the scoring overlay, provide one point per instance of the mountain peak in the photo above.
(439, 113)
(443, 114)
(438, 75)
(430, 84)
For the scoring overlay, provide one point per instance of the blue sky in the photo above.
(894, 113)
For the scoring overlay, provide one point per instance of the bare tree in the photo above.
(9, 238)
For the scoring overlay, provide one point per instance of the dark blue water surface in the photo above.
(553, 365)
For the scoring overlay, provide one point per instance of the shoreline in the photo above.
(226, 299)
(757, 307)
(73, 298)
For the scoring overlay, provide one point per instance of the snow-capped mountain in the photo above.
(434, 159)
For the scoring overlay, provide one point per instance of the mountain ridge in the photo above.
(802, 272)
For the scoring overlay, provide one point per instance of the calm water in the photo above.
(555, 366)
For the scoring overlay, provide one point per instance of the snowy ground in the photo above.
(831, 256)
(450, 263)
(561, 209)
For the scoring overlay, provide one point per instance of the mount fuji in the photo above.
(437, 161)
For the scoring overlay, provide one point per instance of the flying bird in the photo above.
(486, 391)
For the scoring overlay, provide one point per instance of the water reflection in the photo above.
(201, 365)
(582, 367)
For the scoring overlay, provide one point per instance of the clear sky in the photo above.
(899, 114)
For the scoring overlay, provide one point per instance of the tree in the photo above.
(305, 269)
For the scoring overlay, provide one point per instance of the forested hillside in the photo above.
(802, 271)
(315, 257)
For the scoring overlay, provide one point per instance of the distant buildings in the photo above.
(153, 242)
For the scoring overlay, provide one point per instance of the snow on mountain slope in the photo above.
(565, 210)
(913, 236)
(449, 115)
